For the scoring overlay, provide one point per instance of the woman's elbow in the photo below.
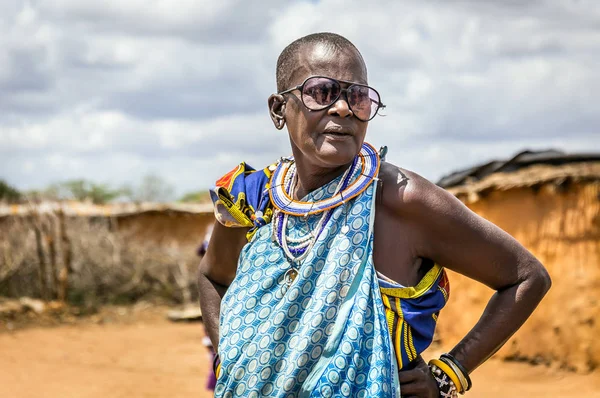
(539, 280)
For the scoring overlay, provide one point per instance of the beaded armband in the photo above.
(445, 384)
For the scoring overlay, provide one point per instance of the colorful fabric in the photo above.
(325, 336)
(412, 312)
(340, 329)
(241, 198)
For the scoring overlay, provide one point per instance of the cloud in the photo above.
(200, 21)
(113, 90)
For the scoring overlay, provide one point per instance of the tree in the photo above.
(82, 190)
(152, 188)
(196, 197)
(8, 193)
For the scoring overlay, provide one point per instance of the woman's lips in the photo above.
(337, 135)
(337, 131)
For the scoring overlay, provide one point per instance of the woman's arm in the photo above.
(216, 272)
(457, 238)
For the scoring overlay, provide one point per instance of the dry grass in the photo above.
(107, 266)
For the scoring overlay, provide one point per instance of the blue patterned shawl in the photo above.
(341, 329)
(325, 336)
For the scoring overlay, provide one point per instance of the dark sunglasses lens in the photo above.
(320, 92)
(364, 101)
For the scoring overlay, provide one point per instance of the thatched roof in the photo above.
(72, 208)
(519, 161)
(529, 176)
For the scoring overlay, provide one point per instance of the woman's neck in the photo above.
(311, 177)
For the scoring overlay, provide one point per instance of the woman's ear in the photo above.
(277, 110)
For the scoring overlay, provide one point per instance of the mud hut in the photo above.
(120, 251)
(550, 202)
(180, 224)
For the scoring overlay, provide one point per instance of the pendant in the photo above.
(289, 276)
(345, 229)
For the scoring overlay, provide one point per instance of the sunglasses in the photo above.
(320, 92)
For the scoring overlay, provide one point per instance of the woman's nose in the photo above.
(340, 107)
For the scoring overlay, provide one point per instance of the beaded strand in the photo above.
(300, 251)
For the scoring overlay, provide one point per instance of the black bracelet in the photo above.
(461, 368)
(216, 363)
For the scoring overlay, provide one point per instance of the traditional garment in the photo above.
(338, 330)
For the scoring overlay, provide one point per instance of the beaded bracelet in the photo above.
(446, 386)
(448, 371)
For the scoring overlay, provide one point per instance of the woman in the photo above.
(324, 268)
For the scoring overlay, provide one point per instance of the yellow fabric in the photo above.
(389, 314)
(411, 345)
(397, 342)
(415, 291)
(234, 209)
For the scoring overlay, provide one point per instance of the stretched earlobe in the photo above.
(277, 110)
(281, 118)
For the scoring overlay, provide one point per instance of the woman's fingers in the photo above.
(418, 382)
(406, 376)
(412, 389)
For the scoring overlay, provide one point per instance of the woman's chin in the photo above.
(337, 152)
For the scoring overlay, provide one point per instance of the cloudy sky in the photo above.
(113, 90)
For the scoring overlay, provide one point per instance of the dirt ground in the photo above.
(120, 354)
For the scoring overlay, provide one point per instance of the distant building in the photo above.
(169, 224)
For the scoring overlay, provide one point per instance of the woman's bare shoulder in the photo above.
(405, 190)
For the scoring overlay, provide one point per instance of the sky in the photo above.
(114, 90)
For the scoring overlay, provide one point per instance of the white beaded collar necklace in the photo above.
(367, 159)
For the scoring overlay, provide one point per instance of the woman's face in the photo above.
(331, 137)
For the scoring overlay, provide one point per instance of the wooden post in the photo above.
(13, 259)
(183, 281)
(67, 269)
(43, 273)
(115, 240)
(51, 242)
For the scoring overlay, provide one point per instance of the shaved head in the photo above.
(287, 63)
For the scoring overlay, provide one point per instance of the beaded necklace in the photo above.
(282, 199)
(297, 249)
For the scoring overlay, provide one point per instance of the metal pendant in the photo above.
(289, 276)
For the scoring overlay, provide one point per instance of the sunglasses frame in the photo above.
(300, 87)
